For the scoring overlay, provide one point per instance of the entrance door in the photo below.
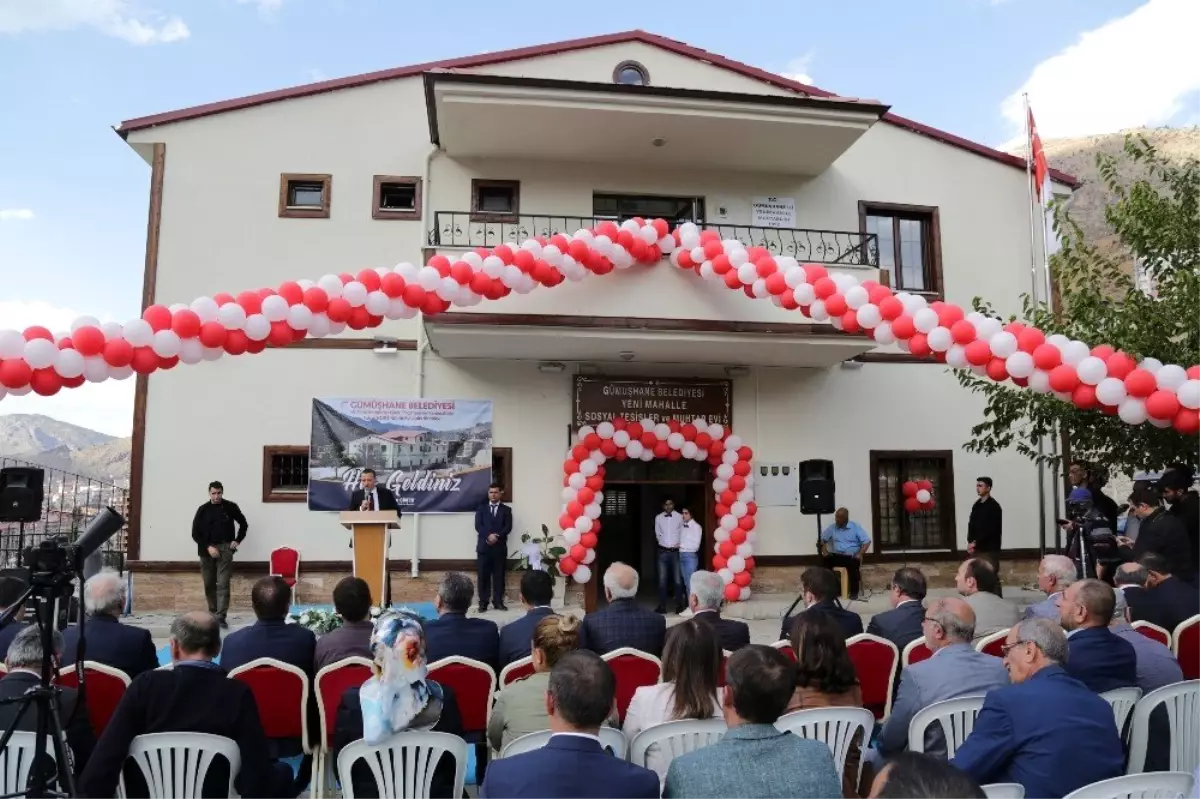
(620, 207)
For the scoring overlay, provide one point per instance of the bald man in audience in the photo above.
(1055, 575)
(623, 622)
(1096, 656)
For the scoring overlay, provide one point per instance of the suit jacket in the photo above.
(568, 765)
(1135, 597)
(732, 634)
(290, 643)
(1164, 533)
(485, 524)
(848, 620)
(984, 526)
(992, 613)
(75, 719)
(755, 760)
(1100, 660)
(8, 632)
(1048, 608)
(901, 625)
(1157, 666)
(130, 649)
(1187, 511)
(516, 637)
(625, 623)
(187, 698)
(955, 670)
(350, 640)
(1050, 733)
(456, 634)
(1168, 604)
(387, 500)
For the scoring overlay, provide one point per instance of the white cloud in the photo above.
(116, 18)
(15, 214)
(798, 69)
(1137, 70)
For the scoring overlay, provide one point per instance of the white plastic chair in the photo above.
(1183, 709)
(175, 763)
(1152, 785)
(835, 726)
(610, 738)
(1122, 701)
(16, 761)
(1004, 790)
(956, 717)
(675, 738)
(404, 764)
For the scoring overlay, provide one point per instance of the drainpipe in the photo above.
(422, 345)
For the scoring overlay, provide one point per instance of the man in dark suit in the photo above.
(623, 622)
(902, 624)
(1168, 601)
(573, 762)
(24, 664)
(453, 633)
(271, 636)
(985, 526)
(1097, 657)
(1158, 531)
(493, 523)
(1047, 731)
(130, 649)
(537, 591)
(707, 595)
(370, 497)
(195, 696)
(821, 588)
(11, 591)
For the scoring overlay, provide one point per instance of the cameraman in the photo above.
(1081, 474)
(1158, 531)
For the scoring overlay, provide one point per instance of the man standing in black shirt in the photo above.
(1176, 485)
(985, 525)
(216, 541)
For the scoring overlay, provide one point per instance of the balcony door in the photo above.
(619, 207)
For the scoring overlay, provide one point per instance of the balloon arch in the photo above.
(621, 439)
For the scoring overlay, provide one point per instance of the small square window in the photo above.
(305, 196)
(495, 200)
(285, 473)
(396, 198)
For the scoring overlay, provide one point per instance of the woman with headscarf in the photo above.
(396, 698)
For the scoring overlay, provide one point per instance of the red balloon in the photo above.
(766, 266)
(167, 363)
(370, 279)
(741, 468)
(317, 300)
(776, 284)
(1084, 396)
(608, 448)
(737, 535)
(1102, 351)
(88, 340)
(144, 360)
(891, 309)
(727, 497)
(568, 566)
(578, 552)
(903, 327)
(280, 335)
(291, 292)
(716, 448)
(997, 370)
(1046, 357)
(585, 495)
(1193, 372)
(565, 522)
(814, 272)
(185, 323)
(159, 317)
(1162, 405)
(719, 562)
(662, 449)
(836, 305)
(978, 353)
(45, 382)
(721, 510)
(236, 342)
(212, 334)
(267, 292)
(924, 485)
(749, 564)
(15, 373)
(251, 303)
(747, 522)
(1064, 378)
(674, 455)
(433, 305)
(963, 332)
(118, 352)
(912, 505)
(1140, 383)
(592, 441)
(703, 440)
(596, 481)
(1187, 421)
(579, 452)
(741, 579)
(359, 318)
(918, 345)
(339, 309)
(737, 483)
(414, 295)
(574, 509)
(949, 315)
(688, 431)
(824, 287)
(570, 466)
(75, 382)
(1119, 365)
(634, 429)
(927, 505)
(1029, 339)
(720, 264)
(910, 488)
(37, 331)
(589, 539)
(727, 549)
(745, 454)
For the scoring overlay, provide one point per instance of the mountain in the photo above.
(61, 445)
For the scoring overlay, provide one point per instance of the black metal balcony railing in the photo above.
(836, 247)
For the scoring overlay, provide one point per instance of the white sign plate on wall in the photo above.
(773, 212)
(776, 484)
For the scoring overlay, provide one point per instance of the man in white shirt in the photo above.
(668, 526)
(690, 535)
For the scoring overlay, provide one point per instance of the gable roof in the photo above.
(520, 53)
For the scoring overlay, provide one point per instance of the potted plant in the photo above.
(540, 552)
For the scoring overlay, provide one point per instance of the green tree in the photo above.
(1155, 216)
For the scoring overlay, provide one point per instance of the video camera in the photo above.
(53, 563)
(1093, 530)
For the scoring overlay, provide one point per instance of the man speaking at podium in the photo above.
(369, 497)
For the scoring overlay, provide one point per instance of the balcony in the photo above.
(841, 248)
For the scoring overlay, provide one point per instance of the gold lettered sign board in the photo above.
(599, 399)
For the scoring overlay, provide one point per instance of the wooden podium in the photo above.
(370, 535)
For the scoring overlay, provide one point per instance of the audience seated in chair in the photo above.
(976, 581)
(537, 591)
(821, 589)
(417, 703)
(623, 622)
(1055, 575)
(11, 591)
(130, 649)
(521, 706)
(24, 664)
(957, 670)
(194, 696)
(1130, 579)
(912, 775)
(755, 759)
(902, 624)
(579, 698)
(453, 633)
(1168, 601)
(707, 594)
(1096, 656)
(1156, 664)
(270, 636)
(691, 665)
(1047, 731)
(352, 601)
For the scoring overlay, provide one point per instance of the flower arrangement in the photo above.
(539, 552)
(322, 621)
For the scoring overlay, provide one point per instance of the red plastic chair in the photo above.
(105, 687)
(473, 683)
(285, 563)
(785, 646)
(1153, 632)
(993, 644)
(281, 694)
(633, 668)
(330, 683)
(515, 672)
(1187, 647)
(875, 662)
(915, 652)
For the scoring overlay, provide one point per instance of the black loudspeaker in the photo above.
(817, 487)
(21, 494)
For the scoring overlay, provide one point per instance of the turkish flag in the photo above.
(1040, 168)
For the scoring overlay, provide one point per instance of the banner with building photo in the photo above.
(434, 455)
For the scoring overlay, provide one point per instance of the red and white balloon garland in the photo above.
(621, 439)
(918, 495)
(1090, 377)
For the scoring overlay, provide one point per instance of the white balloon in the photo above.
(493, 266)
(332, 284)
(576, 480)
(1039, 381)
(319, 326)
(299, 317)
(689, 449)
(588, 558)
(923, 495)
(804, 294)
(925, 320)
(738, 510)
(583, 524)
(1019, 364)
(1132, 410)
(794, 276)
(747, 273)
(956, 356)
(1160, 423)
(428, 278)
(1171, 377)
(605, 430)
(1189, 394)
(734, 442)
(379, 303)
(868, 316)
(584, 432)
(138, 332)
(729, 456)
(745, 594)
(511, 276)
(116, 373)
(1111, 391)
(721, 534)
(12, 344)
(355, 293)
(592, 511)
(634, 448)
(988, 327)
(1150, 364)
(738, 256)
(725, 471)
(95, 369)
(213, 353)
(257, 327)
(715, 431)
(745, 549)
(856, 297)
(597, 457)
(720, 485)
(1073, 352)
(69, 363)
(84, 321)
(620, 438)
(726, 575)
(112, 330)
(1003, 344)
(166, 344)
(729, 521)
(817, 311)
(737, 564)
(582, 574)
(661, 431)
(647, 455)
(568, 495)
(205, 308)
(191, 351)
(675, 440)
(40, 353)
(939, 339)
(1091, 370)
(232, 316)
(1058, 340)
(275, 308)
(588, 468)
(883, 333)
(571, 536)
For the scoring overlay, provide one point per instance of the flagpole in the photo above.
(1033, 276)
(1055, 452)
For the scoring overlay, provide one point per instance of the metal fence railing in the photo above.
(71, 502)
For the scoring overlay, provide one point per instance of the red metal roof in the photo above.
(502, 56)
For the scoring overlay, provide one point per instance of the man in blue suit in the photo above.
(493, 523)
(821, 589)
(1047, 731)
(130, 649)
(623, 622)
(1055, 575)
(537, 590)
(1096, 657)
(903, 624)
(271, 636)
(453, 633)
(573, 762)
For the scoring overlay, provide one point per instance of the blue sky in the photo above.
(73, 196)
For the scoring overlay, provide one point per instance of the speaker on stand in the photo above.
(21, 497)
